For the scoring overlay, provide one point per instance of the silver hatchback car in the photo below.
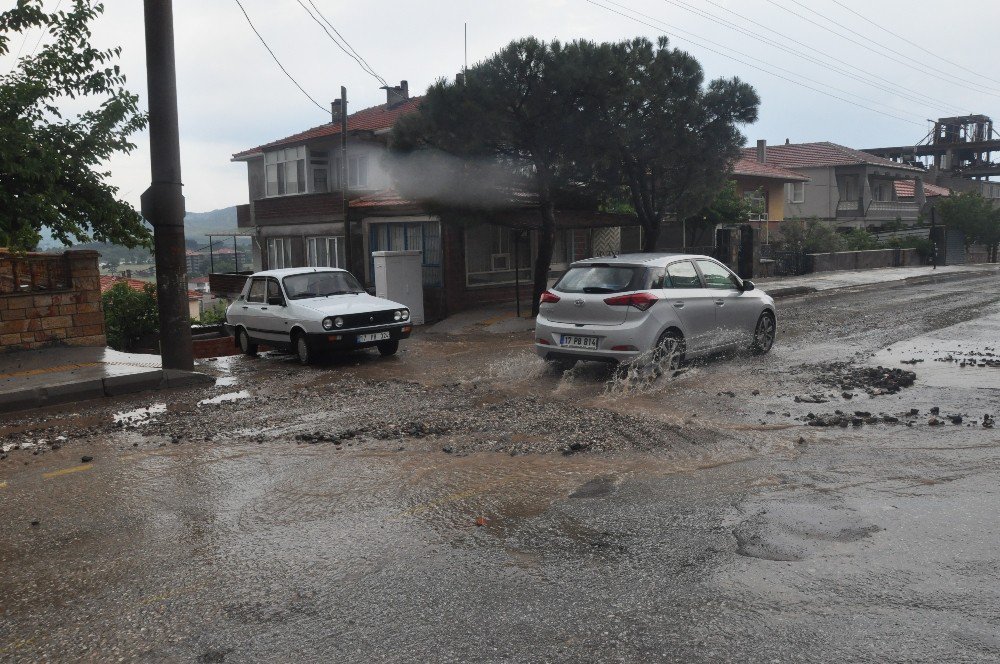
(615, 309)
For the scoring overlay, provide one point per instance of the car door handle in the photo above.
(720, 302)
(245, 308)
(263, 308)
(679, 305)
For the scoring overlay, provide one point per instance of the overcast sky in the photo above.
(232, 96)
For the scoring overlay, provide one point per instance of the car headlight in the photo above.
(406, 314)
(338, 321)
(327, 324)
(397, 315)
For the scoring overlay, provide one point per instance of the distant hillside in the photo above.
(196, 224)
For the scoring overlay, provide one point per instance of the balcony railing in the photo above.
(906, 210)
(848, 208)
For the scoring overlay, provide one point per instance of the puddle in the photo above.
(139, 415)
(225, 381)
(223, 398)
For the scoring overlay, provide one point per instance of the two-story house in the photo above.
(296, 217)
(763, 185)
(850, 188)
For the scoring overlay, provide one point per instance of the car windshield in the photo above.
(321, 284)
(602, 279)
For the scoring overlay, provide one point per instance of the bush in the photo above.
(810, 236)
(860, 240)
(213, 315)
(129, 315)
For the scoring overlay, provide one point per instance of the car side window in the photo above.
(682, 275)
(717, 276)
(257, 289)
(273, 289)
(658, 278)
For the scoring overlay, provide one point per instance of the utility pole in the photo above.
(163, 203)
(348, 241)
(933, 238)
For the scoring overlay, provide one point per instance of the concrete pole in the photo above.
(163, 203)
(344, 171)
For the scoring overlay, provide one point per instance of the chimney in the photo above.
(787, 142)
(335, 110)
(396, 94)
(762, 151)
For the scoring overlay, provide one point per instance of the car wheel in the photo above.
(302, 348)
(247, 347)
(669, 348)
(387, 348)
(562, 365)
(763, 336)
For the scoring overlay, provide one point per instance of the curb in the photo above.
(97, 388)
(791, 291)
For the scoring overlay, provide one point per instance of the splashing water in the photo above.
(647, 372)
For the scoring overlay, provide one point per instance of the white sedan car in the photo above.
(309, 310)
(616, 309)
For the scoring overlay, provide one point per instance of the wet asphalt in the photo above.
(433, 507)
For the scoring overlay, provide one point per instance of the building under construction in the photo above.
(957, 152)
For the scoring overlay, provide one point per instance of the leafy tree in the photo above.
(507, 126)
(649, 123)
(51, 161)
(129, 315)
(728, 207)
(975, 216)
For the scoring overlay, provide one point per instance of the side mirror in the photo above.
(748, 285)
(276, 301)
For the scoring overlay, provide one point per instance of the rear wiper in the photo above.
(597, 289)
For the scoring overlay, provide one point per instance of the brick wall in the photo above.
(32, 317)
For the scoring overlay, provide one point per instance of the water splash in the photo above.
(648, 372)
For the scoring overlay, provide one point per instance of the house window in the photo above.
(286, 171)
(880, 192)
(490, 255)
(757, 203)
(796, 192)
(279, 253)
(324, 252)
(357, 171)
(850, 192)
(424, 237)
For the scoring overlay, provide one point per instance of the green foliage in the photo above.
(214, 315)
(50, 162)
(810, 236)
(923, 245)
(129, 315)
(728, 207)
(859, 239)
(974, 215)
(648, 122)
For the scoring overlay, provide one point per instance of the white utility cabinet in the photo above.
(399, 276)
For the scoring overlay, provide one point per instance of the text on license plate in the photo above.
(374, 336)
(573, 341)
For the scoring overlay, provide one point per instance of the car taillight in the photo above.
(548, 296)
(640, 301)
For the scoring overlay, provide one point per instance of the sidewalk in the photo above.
(502, 319)
(31, 379)
(778, 287)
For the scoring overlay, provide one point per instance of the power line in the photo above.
(363, 62)
(912, 43)
(697, 41)
(908, 63)
(899, 90)
(278, 62)
(368, 70)
(58, 5)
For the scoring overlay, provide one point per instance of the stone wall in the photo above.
(862, 260)
(50, 300)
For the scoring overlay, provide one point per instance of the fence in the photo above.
(26, 274)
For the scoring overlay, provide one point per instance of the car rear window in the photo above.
(602, 279)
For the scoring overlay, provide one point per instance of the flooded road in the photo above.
(464, 502)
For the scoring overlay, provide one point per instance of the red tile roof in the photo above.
(750, 167)
(109, 280)
(905, 189)
(369, 119)
(811, 155)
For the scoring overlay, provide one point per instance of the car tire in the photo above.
(562, 365)
(763, 334)
(303, 350)
(387, 348)
(247, 347)
(671, 340)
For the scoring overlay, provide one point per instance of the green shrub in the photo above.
(860, 240)
(213, 315)
(810, 236)
(129, 315)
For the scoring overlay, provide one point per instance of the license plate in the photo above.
(572, 341)
(374, 336)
